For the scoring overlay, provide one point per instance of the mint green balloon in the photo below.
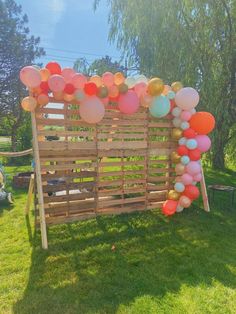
(160, 106)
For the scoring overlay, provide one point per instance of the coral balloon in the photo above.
(184, 201)
(128, 103)
(78, 80)
(108, 79)
(186, 179)
(56, 83)
(160, 106)
(155, 87)
(44, 87)
(187, 98)
(69, 89)
(29, 103)
(92, 110)
(194, 154)
(43, 99)
(54, 68)
(90, 88)
(191, 191)
(189, 133)
(203, 143)
(68, 97)
(30, 76)
(182, 150)
(68, 73)
(44, 73)
(202, 122)
(169, 207)
(193, 168)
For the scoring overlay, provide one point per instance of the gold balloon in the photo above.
(123, 88)
(175, 157)
(155, 86)
(176, 86)
(173, 195)
(102, 92)
(119, 78)
(29, 103)
(97, 80)
(176, 133)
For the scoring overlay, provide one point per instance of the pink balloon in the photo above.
(30, 76)
(187, 98)
(140, 89)
(193, 168)
(203, 143)
(185, 115)
(68, 73)
(146, 100)
(56, 83)
(128, 103)
(78, 80)
(197, 177)
(179, 169)
(108, 79)
(92, 110)
(184, 201)
(186, 179)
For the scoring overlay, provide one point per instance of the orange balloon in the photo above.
(97, 80)
(29, 103)
(202, 122)
(43, 99)
(44, 73)
(68, 97)
(119, 78)
(58, 95)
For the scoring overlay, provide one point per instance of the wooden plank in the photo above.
(128, 136)
(105, 203)
(65, 175)
(122, 145)
(68, 197)
(77, 153)
(63, 133)
(70, 186)
(64, 145)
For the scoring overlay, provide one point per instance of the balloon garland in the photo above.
(95, 93)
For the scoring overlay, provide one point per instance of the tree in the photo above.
(98, 66)
(17, 49)
(189, 40)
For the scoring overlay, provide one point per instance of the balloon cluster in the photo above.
(191, 129)
(94, 93)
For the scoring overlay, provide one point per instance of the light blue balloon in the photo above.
(191, 144)
(171, 95)
(179, 187)
(182, 141)
(184, 125)
(160, 106)
(185, 160)
(79, 95)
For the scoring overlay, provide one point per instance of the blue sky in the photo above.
(67, 26)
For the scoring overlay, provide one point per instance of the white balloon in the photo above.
(176, 112)
(177, 122)
(179, 209)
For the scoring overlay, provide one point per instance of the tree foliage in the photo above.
(17, 49)
(189, 40)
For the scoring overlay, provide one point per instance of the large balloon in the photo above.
(92, 110)
(128, 103)
(193, 168)
(202, 122)
(169, 207)
(78, 80)
(54, 68)
(30, 76)
(56, 83)
(203, 143)
(187, 98)
(191, 191)
(29, 103)
(160, 106)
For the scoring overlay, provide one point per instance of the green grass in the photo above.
(182, 264)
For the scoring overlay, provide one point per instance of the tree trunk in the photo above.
(14, 139)
(219, 142)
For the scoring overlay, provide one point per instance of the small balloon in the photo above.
(191, 143)
(179, 187)
(140, 89)
(194, 154)
(171, 95)
(45, 74)
(184, 125)
(176, 86)
(176, 112)
(97, 80)
(184, 201)
(185, 160)
(189, 133)
(175, 158)
(130, 82)
(176, 133)
(123, 88)
(102, 92)
(186, 179)
(90, 88)
(203, 143)
(173, 195)
(182, 141)
(79, 95)
(179, 169)
(185, 115)
(193, 168)
(113, 91)
(179, 209)
(43, 99)
(119, 78)
(69, 89)
(191, 191)
(169, 207)
(176, 122)
(182, 150)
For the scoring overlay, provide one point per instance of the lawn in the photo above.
(182, 264)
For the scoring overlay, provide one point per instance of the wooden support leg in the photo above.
(30, 195)
(204, 192)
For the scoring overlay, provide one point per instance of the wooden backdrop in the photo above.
(122, 164)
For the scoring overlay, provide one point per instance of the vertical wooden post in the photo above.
(39, 183)
(204, 192)
(30, 194)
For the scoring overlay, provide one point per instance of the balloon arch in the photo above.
(94, 95)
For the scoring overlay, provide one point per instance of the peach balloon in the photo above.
(44, 73)
(68, 97)
(119, 78)
(108, 79)
(68, 73)
(180, 169)
(29, 103)
(184, 201)
(58, 95)
(97, 80)
(92, 110)
(146, 100)
(30, 76)
(79, 80)
(43, 99)
(113, 91)
(56, 83)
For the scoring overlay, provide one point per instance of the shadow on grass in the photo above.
(153, 255)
